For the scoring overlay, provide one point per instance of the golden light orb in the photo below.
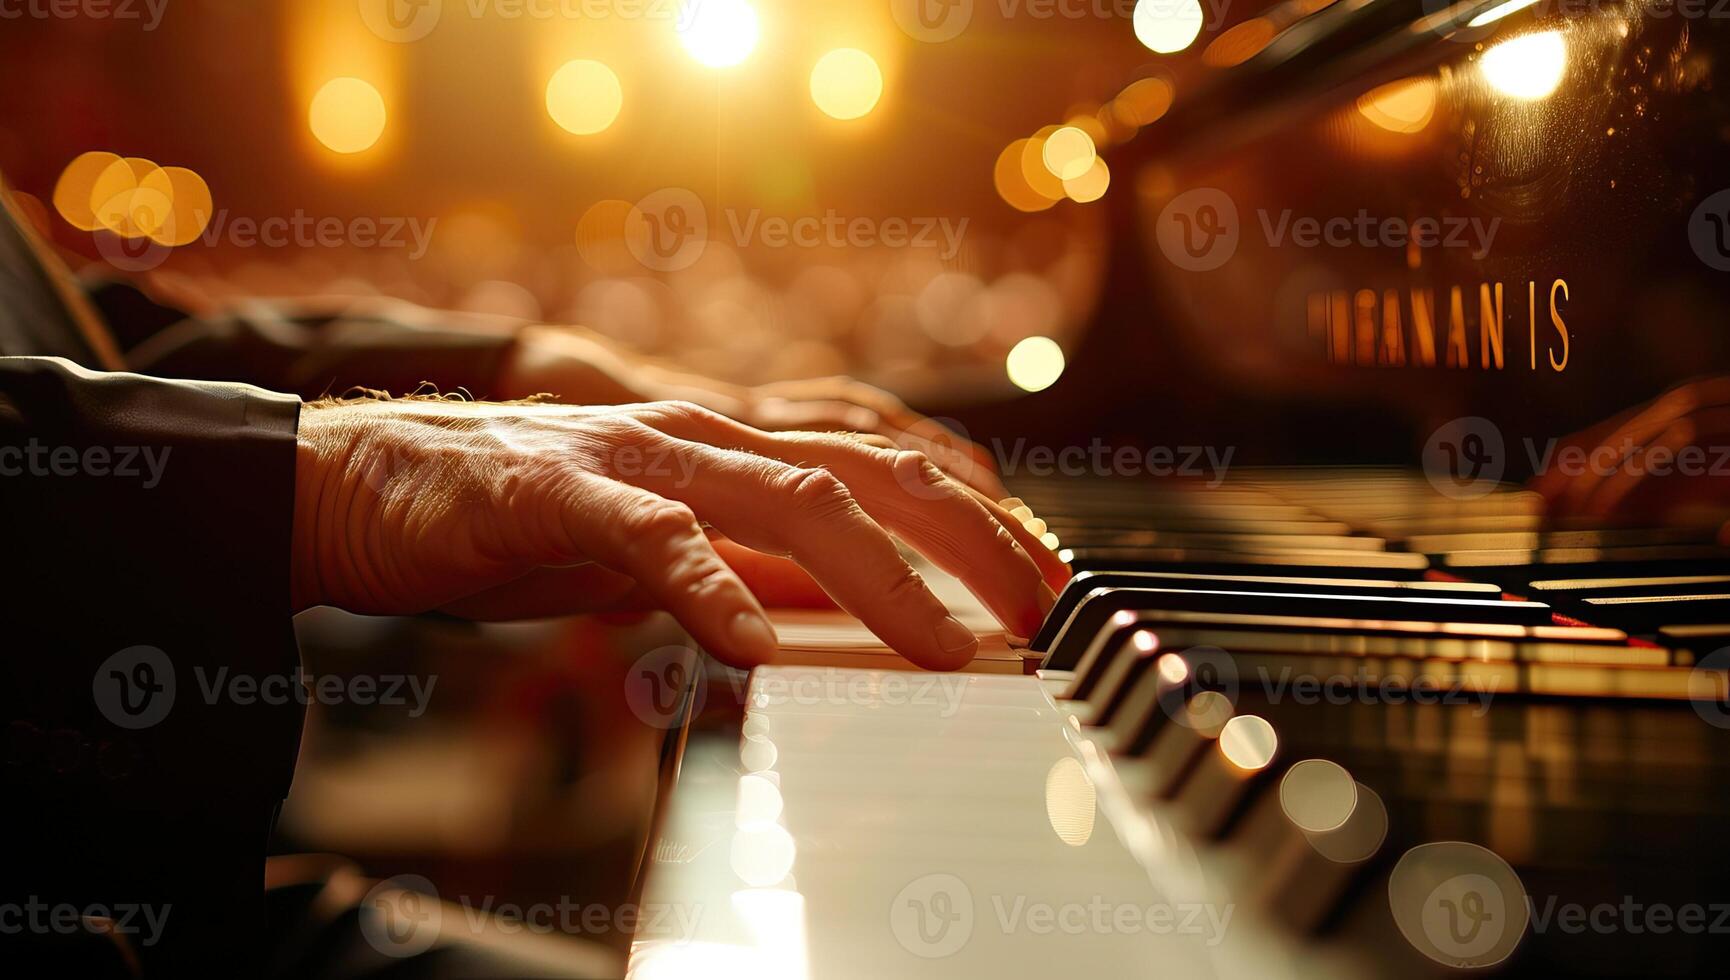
(584, 97)
(347, 115)
(846, 83)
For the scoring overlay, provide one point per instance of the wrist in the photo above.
(321, 445)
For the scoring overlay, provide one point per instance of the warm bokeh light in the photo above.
(1405, 106)
(584, 97)
(76, 186)
(119, 203)
(1318, 795)
(1035, 364)
(1033, 169)
(1240, 43)
(1142, 101)
(1248, 742)
(846, 83)
(1068, 153)
(1526, 67)
(1090, 186)
(189, 205)
(347, 115)
(1167, 26)
(1011, 182)
(719, 33)
(1070, 801)
(1173, 669)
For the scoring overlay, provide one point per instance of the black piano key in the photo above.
(1581, 588)
(1097, 608)
(1647, 613)
(1368, 564)
(1084, 582)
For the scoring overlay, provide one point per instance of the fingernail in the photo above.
(1047, 598)
(753, 638)
(956, 638)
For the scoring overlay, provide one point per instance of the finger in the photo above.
(1056, 573)
(964, 460)
(778, 583)
(545, 592)
(658, 543)
(905, 493)
(810, 515)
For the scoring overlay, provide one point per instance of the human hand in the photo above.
(502, 510)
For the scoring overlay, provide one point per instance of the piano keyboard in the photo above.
(1311, 723)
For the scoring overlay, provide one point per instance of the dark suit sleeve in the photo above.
(148, 527)
(384, 345)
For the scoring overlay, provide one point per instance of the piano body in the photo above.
(1387, 716)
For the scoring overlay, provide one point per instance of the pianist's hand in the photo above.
(1632, 468)
(509, 510)
(582, 369)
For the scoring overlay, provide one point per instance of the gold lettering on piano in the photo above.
(1556, 321)
(1424, 325)
(1393, 350)
(1489, 326)
(1395, 328)
(1459, 355)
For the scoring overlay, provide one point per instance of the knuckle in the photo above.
(699, 574)
(659, 519)
(687, 411)
(817, 492)
(908, 587)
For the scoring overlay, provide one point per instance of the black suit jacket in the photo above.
(147, 530)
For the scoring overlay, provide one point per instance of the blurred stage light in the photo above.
(584, 97)
(347, 115)
(1405, 106)
(74, 189)
(1143, 101)
(1035, 364)
(1068, 153)
(118, 204)
(719, 33)
(846, 83)
(1526, 67)
(1090, 186)
(189, 205)
(1167, 26)
(1011, 183)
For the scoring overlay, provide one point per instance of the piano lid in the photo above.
(1343, 227)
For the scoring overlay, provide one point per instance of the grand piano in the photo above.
(1363, 702)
